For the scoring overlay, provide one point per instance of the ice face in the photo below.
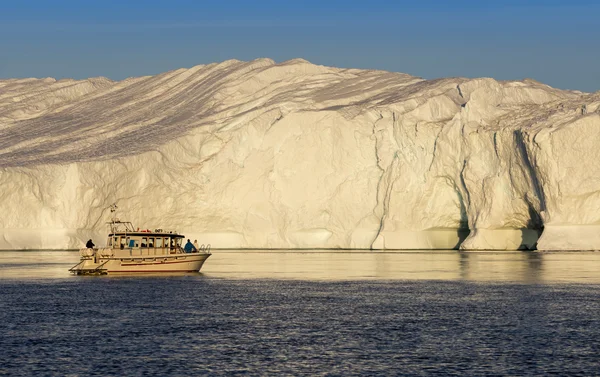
(295, 155)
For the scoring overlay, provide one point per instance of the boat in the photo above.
(130, 250)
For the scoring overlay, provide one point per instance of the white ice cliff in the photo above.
(295, 155)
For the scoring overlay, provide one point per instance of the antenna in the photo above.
(115, 224)
(113, 212)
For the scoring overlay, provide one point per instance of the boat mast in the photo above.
(113, 209)
(113, 218)
(115, 223)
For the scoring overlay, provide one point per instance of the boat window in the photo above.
(116, 241)
(179, 242)
(159, 242)
(144, 241)
(122, 242)
(151, 242)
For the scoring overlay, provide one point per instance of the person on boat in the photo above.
(196, 245)
(189, 247)
(90, 244)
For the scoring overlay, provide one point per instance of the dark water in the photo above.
(335, 314)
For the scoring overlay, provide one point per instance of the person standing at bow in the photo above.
(189, 247)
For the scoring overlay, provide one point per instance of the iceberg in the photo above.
(296, 155)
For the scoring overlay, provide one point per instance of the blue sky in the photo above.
(555, 42)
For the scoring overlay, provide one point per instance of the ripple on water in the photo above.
(214, 324)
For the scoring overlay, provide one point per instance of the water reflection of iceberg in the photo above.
(515, 267)
(519, 267)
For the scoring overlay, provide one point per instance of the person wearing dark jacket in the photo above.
(90, 244)
(189, 247)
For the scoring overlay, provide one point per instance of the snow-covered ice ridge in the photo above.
(295, 155)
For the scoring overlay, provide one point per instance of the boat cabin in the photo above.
(123, 236)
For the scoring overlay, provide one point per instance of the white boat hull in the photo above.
(147, 264)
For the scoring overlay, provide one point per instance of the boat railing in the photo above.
(116, 226)
(151, 251)
(72, 269)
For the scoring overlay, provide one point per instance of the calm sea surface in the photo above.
(306, 313)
